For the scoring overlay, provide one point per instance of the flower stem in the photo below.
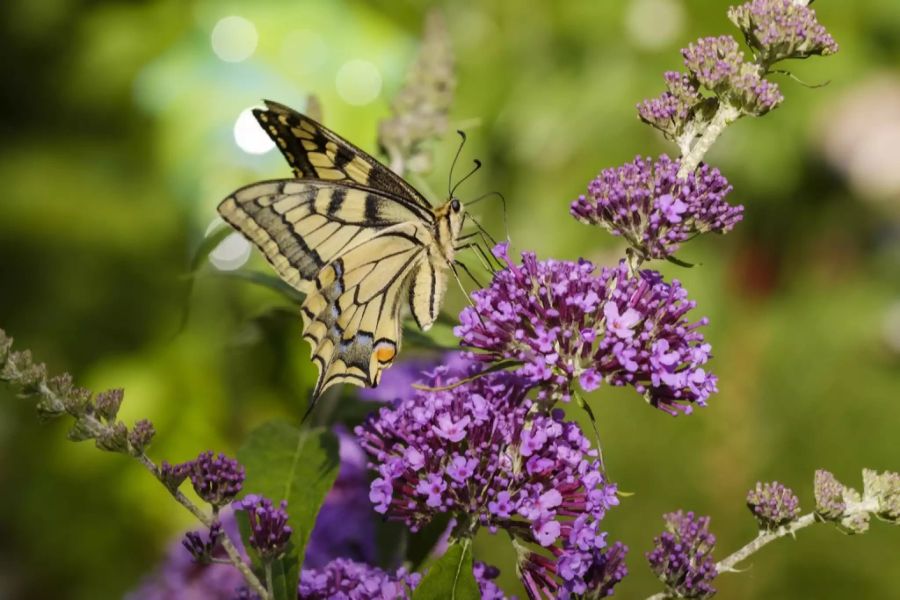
(729, 563)
(724, 116)
(269, 583)
(590, 413)
(233, 555)
(88, 422)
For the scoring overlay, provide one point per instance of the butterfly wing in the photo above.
(354, 252)
(352, 318)
(301, 225)
(316, 152)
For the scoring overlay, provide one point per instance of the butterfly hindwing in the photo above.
(352, 318)
(427, 286)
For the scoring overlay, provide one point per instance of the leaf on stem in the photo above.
(297, 465)
(451, 576)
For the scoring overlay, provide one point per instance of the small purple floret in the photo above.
(781, 29)
(682, 557)
(829, 493)
(216, 479)
(773, 504)
(203, 546)
(269, 531)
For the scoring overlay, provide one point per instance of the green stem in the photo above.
(582, 403)
(725, 115)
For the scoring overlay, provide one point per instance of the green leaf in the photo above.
(451, 576)
(297, 465)
(285, 575)
(423, 541)
(679, 262)
(265, 280)
(243, 523)
(208, 244)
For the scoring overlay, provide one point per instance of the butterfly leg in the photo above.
(462, 287)
(480, 255)
(489, 261)
(465, 268)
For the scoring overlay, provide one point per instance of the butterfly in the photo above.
(355, 238)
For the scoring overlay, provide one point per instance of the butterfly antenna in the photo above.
(469, 174)
(453, 164)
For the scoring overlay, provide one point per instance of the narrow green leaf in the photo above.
(451, 576)
(243, 523)
(265, 280)
(285, 575)
(208, 244)
(505, 364)
(297, 465)
(679, 262)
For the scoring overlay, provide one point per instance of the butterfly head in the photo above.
(449, 221)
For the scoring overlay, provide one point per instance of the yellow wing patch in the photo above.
(352, 318)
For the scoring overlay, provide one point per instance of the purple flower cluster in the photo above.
(478, 450)
(672, 110)
(605, 567)
(203, 547)
(773, 504)
(645, 202)
(485, 575)
(269, 531)
(755, 95)
(180, 575)
(173, 476)
(714, 61)
(829, 493)
(216, 479)
(682, 557)
(343, 578)
(781, 29)
(564, 323)
(717, 63)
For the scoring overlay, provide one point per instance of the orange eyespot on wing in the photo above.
(385, 352)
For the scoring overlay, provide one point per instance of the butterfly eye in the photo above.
(454, 204)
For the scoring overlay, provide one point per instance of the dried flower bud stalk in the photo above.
(420, 109)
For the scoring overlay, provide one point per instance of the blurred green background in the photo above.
(118, 125)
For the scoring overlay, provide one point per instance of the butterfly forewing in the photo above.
(316, 152)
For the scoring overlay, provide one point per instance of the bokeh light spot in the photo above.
(249, 136)
(654, 24)
(358, 82)
(232, 252)
(234, 39)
